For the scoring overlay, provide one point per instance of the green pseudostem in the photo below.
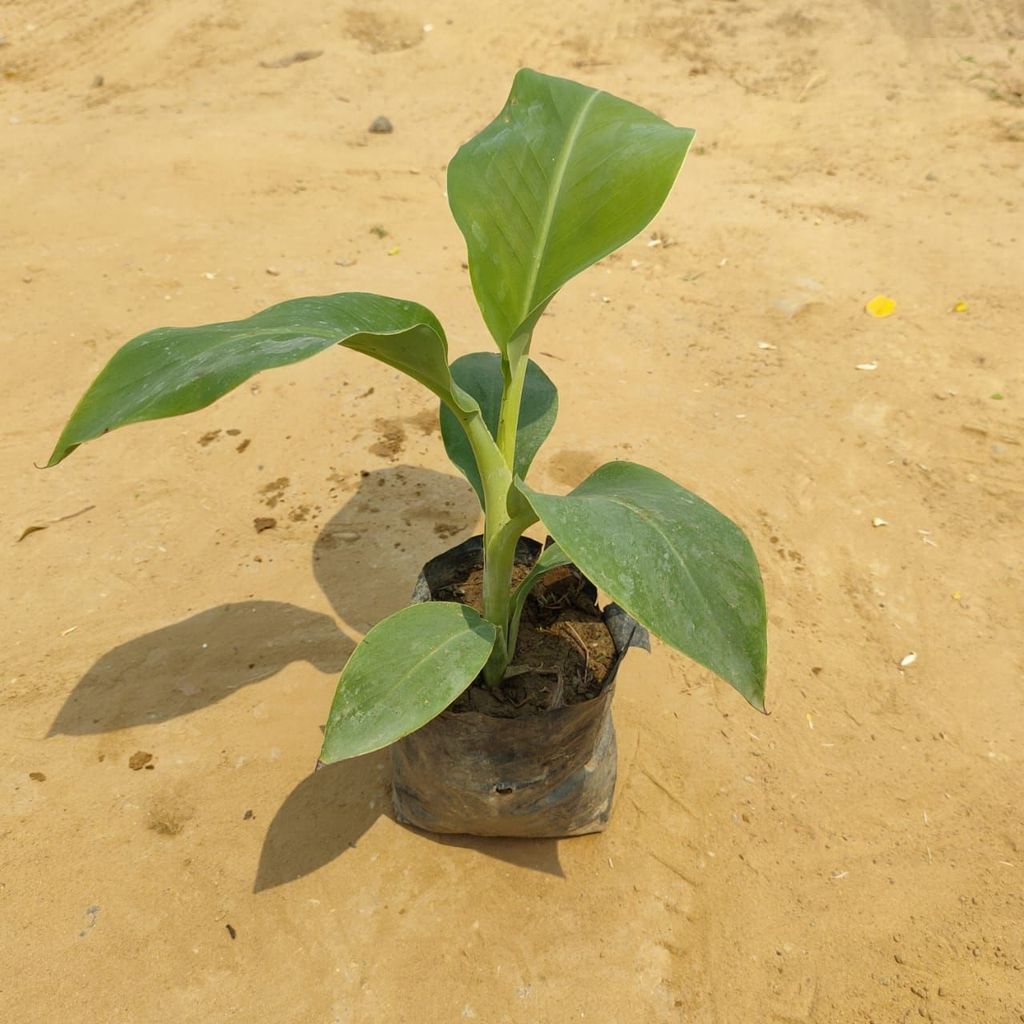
(506, 516)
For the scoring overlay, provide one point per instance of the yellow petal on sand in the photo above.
(880, 306)
(960, 307)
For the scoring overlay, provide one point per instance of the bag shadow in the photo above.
(332, 808)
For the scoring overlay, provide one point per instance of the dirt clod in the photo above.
(299, 57)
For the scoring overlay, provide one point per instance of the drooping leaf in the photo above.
(550, 558)
(479, 374)
(174, 370)
(563, 176)
(677, 565)
(406, 671)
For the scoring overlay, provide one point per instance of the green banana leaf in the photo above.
(406, 671)
(564, 175)
(175, 370)
(479, 374)
(677, 565)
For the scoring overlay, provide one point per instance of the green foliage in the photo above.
(407, 670)
(676, 564)
(561, 177)
(564, 175)
(479, 375)
(174, 370)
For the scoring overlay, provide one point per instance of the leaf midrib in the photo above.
(558, 181)
(642, 514)
(398, 683)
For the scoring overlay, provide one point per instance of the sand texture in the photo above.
(179, 597)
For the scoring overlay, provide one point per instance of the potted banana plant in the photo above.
(493, 688)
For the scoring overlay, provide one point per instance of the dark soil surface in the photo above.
(564, 649)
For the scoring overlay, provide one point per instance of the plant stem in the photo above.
(514, 372)
(499, 562)
(503, 526)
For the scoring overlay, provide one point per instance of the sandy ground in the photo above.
(858, 856)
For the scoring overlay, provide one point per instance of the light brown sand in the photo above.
(857, 856)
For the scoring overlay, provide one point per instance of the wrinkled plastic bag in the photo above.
(544, 775)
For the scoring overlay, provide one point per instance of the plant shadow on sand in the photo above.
(365, 559)
(197, 662)
(331, 809)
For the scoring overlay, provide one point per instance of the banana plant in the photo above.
(564, 175)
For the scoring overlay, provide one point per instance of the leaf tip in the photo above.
(755, 694)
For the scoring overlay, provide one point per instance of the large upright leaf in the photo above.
(406, 671)
(174, 370)
(564, 175)
(479, 374)
(676, 564)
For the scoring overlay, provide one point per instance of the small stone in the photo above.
(139, 760)
(298, 57)
(381, 126)
(273, 272)
(264, 523)
(37, 776)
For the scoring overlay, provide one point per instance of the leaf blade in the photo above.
(479, 374)
(671, 560)
(563, 176)
(406, 671)
(174, 370)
